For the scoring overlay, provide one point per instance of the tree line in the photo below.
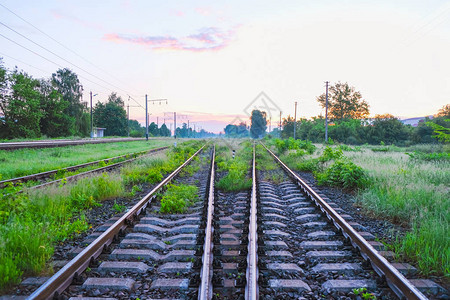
(349, 123)
(54, 107)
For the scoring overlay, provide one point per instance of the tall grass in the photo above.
(32, 223)
(416, 194)
(236, 178)
(29, 161)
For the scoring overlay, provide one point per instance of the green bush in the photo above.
(178, 197)
(429, 156)
(343, 173)
(330, 154)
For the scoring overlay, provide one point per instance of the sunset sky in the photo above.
(211, 60)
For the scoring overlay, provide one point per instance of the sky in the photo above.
(215, 61)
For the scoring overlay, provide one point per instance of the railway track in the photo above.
(62, 143)
(275, 241)
(48, 174)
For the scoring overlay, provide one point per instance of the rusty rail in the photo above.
(63, 278)
(396, 281)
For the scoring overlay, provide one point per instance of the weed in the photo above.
(118, 208)
(343, 173)
(178, 197)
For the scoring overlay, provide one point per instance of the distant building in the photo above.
(414, 122)
(98, 132)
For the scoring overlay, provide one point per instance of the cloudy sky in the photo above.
(215, 61)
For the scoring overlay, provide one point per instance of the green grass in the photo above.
(408, 189)
(178, 197)
(30, 161)
(32, 223)
(416, 194)
(237, 169)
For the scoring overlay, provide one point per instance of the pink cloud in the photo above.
(177, 13)
(206, 39)
(204, 11)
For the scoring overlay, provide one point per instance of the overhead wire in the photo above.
(59, 43)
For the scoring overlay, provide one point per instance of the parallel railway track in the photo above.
(62, 143)
(276, 241)
(48, 174)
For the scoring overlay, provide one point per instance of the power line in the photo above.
(50, 60)
(10, 57)
(59, 43)
(61, 57)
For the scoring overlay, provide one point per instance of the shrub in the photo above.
(343, 173)
(330, 154)
(178, 197)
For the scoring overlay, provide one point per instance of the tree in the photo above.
(230, 130)
(136, 130)
(288, 127)
(111, 115)
(153, 129)
(344, 102)
(259, 123)
(67, 83)
(3, 91)
(444, 112)
(387, 129)
(21, 107)
(164, 131)
(54, 121)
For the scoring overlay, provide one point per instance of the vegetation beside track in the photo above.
(23, 162)
(178, 197)
(411, 189)
(33, 222)
(236, 178)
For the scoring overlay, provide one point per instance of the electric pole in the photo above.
(326, 112)
(295, 118)
(146, 112)
(174, 124)
(92, 119)
(128, 118)
(280, 125)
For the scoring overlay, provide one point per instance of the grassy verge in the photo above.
(415, 193)
(178, 197)
(237, 168)
(32, 223)
(30, 161)
(411, 189)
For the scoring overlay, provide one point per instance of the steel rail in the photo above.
(401, 286)
(47, 174)
(63, 278)
(61, 143)
(251, 287)
(206, 273)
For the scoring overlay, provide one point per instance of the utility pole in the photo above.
(295, 118)
(157, 122)
(174, 124)
(92, 119)
(128, 119)
(326, 112)
(188, 129)
(146, 118)
(146, 112)
(280, 125)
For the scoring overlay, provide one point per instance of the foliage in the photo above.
(429, 156)
(344, 102)
(258, 124)
(178, 197)
(111, 116)
(54, 121)
(237, 169)
(343, 173)
(440, 132)
(21, 106)
(69, 86)
(291, 144)
(236, 130)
